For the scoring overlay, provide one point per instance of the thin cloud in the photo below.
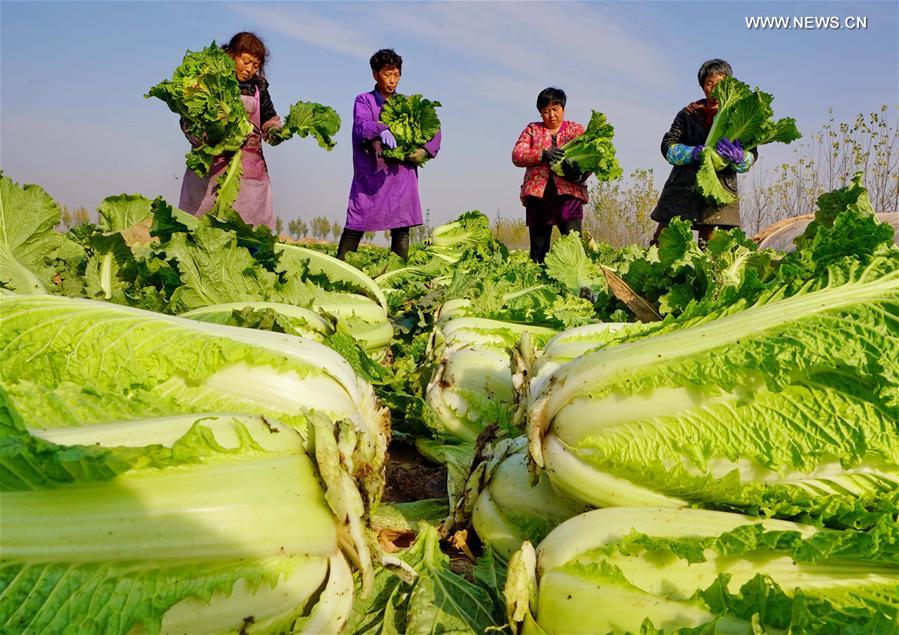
(516, 47)
(522, 41)
(310, 28)
(531, 38)
(498, 88)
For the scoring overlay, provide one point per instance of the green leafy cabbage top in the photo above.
(593, 151)
(412, 120)
(204, 91)
(309, 118)
(745, 115)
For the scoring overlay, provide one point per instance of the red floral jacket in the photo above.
(526, 154)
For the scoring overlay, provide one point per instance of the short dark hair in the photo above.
(385, 58)
(550, 96)
(714, 67)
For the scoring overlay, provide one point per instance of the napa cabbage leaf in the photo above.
(175, 524)
(593, 151)
(413, 121)
(696, 571)
(205, 93)
(307, 118)
(28, 241)
(718, 413)
(745, 115)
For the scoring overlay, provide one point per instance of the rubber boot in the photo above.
(573, 225)
(349, 241)
(540, 236)
(399, 242)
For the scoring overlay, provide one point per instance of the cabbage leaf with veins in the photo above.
(203, 523)
(785, 408)
(653, 571)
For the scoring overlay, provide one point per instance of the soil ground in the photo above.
(411, 477)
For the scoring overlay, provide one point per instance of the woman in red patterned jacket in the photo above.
(549, 199)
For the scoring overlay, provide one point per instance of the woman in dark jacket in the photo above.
(682, 147)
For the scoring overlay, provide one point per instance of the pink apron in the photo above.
(254, 203)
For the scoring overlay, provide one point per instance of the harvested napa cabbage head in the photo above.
(651, 570)
(205, 523)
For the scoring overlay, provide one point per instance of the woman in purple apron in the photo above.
(384, 193)
(254, 203)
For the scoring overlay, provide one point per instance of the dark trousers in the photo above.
(541, 234)
(349, 241)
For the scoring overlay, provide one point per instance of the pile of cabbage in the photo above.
(776, 396)
(196, 419)
(179, 476)
(182, 448)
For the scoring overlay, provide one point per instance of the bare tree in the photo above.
(826, 161)
(618, 211)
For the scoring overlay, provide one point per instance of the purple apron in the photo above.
(254, 203)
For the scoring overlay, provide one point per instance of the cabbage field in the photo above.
(208, 429)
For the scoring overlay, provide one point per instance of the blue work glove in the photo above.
(388, 139)
(730, 151)
(696, 154)
(551, 155)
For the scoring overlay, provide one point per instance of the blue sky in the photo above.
(73, 118)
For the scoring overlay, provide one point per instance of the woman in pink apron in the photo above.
(254, 203)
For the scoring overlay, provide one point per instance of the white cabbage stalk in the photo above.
(535, 360)
(357, 315)
(318, 263)
(308, 323)
(572, 343)
(362, 314)
(200, 367)
(473, 376)
(452, 309)
(510, 509)
(478, 331)
(466, 385)
(102, 344)
(227, 532)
